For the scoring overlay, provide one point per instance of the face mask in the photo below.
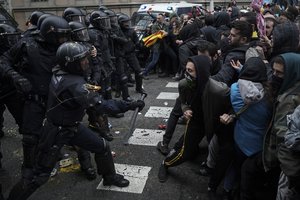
(190, 79)
(276, 83)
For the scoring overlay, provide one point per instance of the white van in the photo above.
(167, 8)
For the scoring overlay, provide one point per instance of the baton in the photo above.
(132, 122)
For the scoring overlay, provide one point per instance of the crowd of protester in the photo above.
(239, 88)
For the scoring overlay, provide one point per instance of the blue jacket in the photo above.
(252, 124)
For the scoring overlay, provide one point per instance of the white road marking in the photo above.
(159, 112)
(172, 85)
(168, 95)
(137, 176)
(146, 137)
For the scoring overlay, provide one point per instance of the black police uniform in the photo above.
(119, 41)
(100, 40)
(69, 97)
(8, 94)
(35, 60)
(130, 56)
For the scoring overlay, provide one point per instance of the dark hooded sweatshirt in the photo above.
(287, 100)
(191, 97)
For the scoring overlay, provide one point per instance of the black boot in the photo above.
(84, 159)
(139, 85)
(116, 179)
(163, 173)
(1, 196)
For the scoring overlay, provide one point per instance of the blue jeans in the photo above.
(151, 65)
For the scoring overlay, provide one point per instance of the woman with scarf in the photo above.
(190, 93)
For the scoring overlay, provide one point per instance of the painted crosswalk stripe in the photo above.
(172, 85)
(146, 137)
(137, 176)
(159, 112)
(168, 95)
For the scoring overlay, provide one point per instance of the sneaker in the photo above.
(90, 173)
(205, 170)
(163, 173)
(116, 179)
(164, 149)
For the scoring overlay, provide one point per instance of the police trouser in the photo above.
(122, 78)
(48, 156)
(14, 104)
(33, 117)
(172, 122)
(190, 144)
(134, 64)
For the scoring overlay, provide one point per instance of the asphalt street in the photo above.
(138, 161)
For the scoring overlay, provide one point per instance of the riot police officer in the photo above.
(97, 123)
(8, 95)
(74, 15)
(118, 41)
(98, 32)
(69, 96)
(29, 64)
(129, 48)
(32, 23)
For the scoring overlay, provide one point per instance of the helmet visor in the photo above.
(78, 18)
(81, 35)
(103, 22)
(114, 20)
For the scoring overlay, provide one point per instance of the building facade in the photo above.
(21, 9)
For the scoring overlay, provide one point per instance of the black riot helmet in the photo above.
(103, 8)
(100, 20)
(55, 30)
(41, 19)
(112, 16)
(79, 32)
(8, 36)
(74, 14)
(34, 17)
(124, 21)
(70, 56)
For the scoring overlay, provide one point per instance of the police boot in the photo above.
(106, 168)
(29, 150)
(139, 84)
(1, 196)
(84, 159)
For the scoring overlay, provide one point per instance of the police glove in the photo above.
(22, 84)
(137, 104)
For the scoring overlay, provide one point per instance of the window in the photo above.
(39, 0)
